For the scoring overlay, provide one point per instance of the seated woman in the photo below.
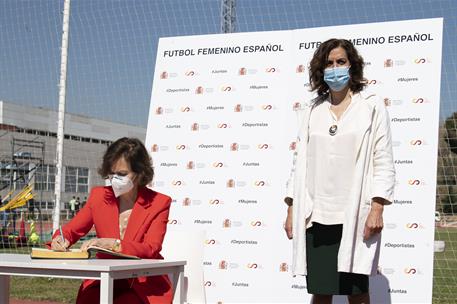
(128, 218)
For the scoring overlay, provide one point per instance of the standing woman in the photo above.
(128, 218)
(342, 177)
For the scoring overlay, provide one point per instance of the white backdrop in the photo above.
(221, 132)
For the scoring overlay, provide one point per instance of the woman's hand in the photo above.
(58, 245)
(106, 243)
(374, 222)
(288, 224)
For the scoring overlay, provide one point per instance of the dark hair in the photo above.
(136, 155)
(319, 63)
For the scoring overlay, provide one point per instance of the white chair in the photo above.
(187, 245)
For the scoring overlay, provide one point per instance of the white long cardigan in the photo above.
(374, 176)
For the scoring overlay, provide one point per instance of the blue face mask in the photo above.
(337, 78)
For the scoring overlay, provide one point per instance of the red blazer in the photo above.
(143, 236)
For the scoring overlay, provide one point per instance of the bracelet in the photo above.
(116, 245)
(289, 201)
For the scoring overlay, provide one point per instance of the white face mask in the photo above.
(121, 184)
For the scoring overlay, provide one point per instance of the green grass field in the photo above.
(64, 291)
(445, 268)
(44, 289)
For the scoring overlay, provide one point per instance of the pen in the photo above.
(61, 235)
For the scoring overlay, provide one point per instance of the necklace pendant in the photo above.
(332, 130)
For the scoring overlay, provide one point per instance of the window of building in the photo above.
(76, 179)
(20, 175)
(45, 178)
(5, 175)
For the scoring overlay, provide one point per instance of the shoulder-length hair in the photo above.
(319, 63)
(136, 155)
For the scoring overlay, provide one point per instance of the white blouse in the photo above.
(331, 162)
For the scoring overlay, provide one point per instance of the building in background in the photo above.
(28, 139)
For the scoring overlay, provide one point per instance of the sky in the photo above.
(113, 44)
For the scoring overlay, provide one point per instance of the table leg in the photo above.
(106, 288)
(178, 284)
(4, 289)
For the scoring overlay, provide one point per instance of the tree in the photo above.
(447, 166)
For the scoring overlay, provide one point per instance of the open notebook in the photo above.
(42, 253)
